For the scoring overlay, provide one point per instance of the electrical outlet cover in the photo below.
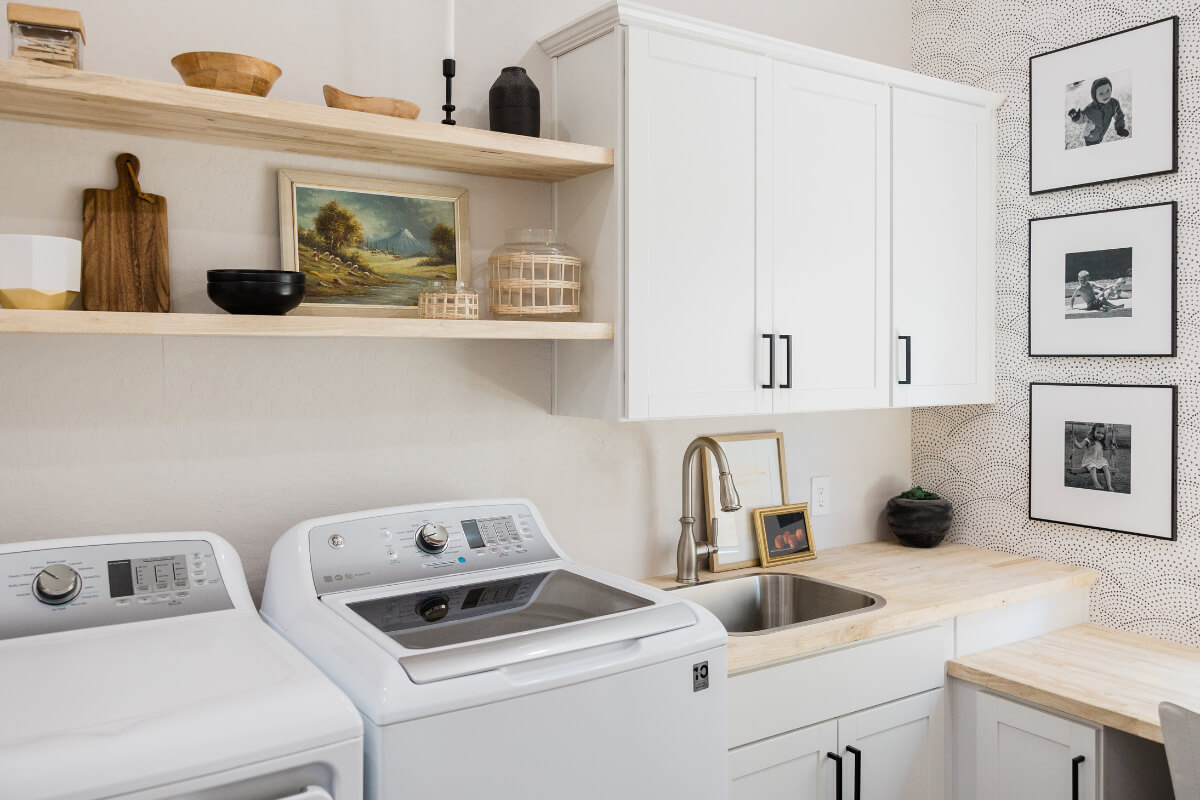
(818, 504)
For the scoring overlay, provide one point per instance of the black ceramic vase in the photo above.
(919, 523)
(515, 104)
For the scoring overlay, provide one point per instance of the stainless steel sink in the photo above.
(761, 603)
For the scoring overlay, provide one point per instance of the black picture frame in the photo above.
(1173, 352)
(1174, 458)
(1174, 20)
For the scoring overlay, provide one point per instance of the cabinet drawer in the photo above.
(828, 684)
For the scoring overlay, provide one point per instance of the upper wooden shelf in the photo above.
(146, 324)
(61, 96)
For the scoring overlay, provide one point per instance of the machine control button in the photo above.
(432, 537)
(121, 602)
(337, 541)
(57, 585)
(433, 608)
(144, 599)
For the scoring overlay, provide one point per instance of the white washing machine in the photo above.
(486, 663)
(137, 667)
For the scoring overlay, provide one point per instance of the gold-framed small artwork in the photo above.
(759, 469)
(369, 247)
(784, 534)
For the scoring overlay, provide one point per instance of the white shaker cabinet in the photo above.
(830, 263)
(1023, 753)
(792, 766)
(943, 212)
(744, 244)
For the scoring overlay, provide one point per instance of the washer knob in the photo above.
(432, 537)
(57, 585)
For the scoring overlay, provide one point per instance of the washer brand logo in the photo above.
(700, 676)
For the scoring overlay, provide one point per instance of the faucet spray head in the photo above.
(729, 494)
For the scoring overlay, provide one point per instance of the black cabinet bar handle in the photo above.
(837, 759)
(857, 771)
(787, 337)
(907, 360)
(1075, 762)
(770, 384)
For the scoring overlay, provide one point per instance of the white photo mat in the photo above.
(759, 470)
(1150, 52)
(1149, 507)
(1150, 331)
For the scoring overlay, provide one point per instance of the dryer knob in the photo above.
(432, 537)
(57, 585)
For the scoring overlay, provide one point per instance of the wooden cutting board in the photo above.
(125, 266)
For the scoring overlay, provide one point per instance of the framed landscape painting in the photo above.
(1103, 283)
(1104, 110)
(370, 246)
(1103, 456)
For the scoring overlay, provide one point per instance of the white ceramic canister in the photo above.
(39, 272)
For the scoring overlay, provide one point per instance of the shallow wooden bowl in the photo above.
(228, 72)
(388, 106)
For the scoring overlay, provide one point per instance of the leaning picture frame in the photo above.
(1106, 109)
(759, 467)
(369, 247)
(784, 535)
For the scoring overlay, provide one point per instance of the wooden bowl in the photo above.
(228, 72)
(388, 106)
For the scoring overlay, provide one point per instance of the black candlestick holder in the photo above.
(448, 73)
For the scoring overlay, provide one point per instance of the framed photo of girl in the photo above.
(1083, 270)
(1103, 456)
(1105, 110)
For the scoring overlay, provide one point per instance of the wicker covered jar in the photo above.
(448, 300)
(534, 275)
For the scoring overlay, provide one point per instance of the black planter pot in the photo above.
(919, 523)
(515, 104)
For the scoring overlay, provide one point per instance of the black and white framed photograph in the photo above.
(1104, 110)
(1103, 456)
(1103, 283)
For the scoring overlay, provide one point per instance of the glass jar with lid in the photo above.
(535, 274)
(46, 35)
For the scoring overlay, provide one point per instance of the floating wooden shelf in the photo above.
(124, 323)
(61, 96)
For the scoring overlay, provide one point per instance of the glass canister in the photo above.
(47, 35)
(535, 274)
(448, 300)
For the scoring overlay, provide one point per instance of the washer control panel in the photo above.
(89, 586)
(383, 549)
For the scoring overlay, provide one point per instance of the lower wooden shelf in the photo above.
(127, 323)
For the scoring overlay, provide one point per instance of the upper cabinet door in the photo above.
(943, 274)
(696, 158)
(830, 266)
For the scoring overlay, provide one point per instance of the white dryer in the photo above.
(486, 663)
(137, 667)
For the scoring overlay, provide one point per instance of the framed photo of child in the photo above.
(784, 534)
(1083, 272)
(1104, 110)
(1103, 456)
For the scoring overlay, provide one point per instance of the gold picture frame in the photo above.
(759, 467)
(784, 534)
(405, 236)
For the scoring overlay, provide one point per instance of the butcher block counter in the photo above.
(1106, 676)
(921, 586)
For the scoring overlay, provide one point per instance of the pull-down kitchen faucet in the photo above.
(689, 549)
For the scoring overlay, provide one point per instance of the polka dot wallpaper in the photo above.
(978, 455)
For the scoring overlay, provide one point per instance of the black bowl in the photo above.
(919, 523)
(256, 275)
(256, 297)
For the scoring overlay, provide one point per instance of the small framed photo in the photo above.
(760, 474)
(1103, 456)
(784, 535)
(1083, 269)
(1104, 110)
(369, 246)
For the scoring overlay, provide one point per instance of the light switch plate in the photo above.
(818, 504)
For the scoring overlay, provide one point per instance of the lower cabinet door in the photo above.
(1026, 754)
(895, 751)
(794, 765)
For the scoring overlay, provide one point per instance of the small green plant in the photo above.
(917, 493)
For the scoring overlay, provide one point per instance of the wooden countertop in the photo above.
(920, 586)
(1107, 676)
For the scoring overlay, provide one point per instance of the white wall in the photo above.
(247, 436)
